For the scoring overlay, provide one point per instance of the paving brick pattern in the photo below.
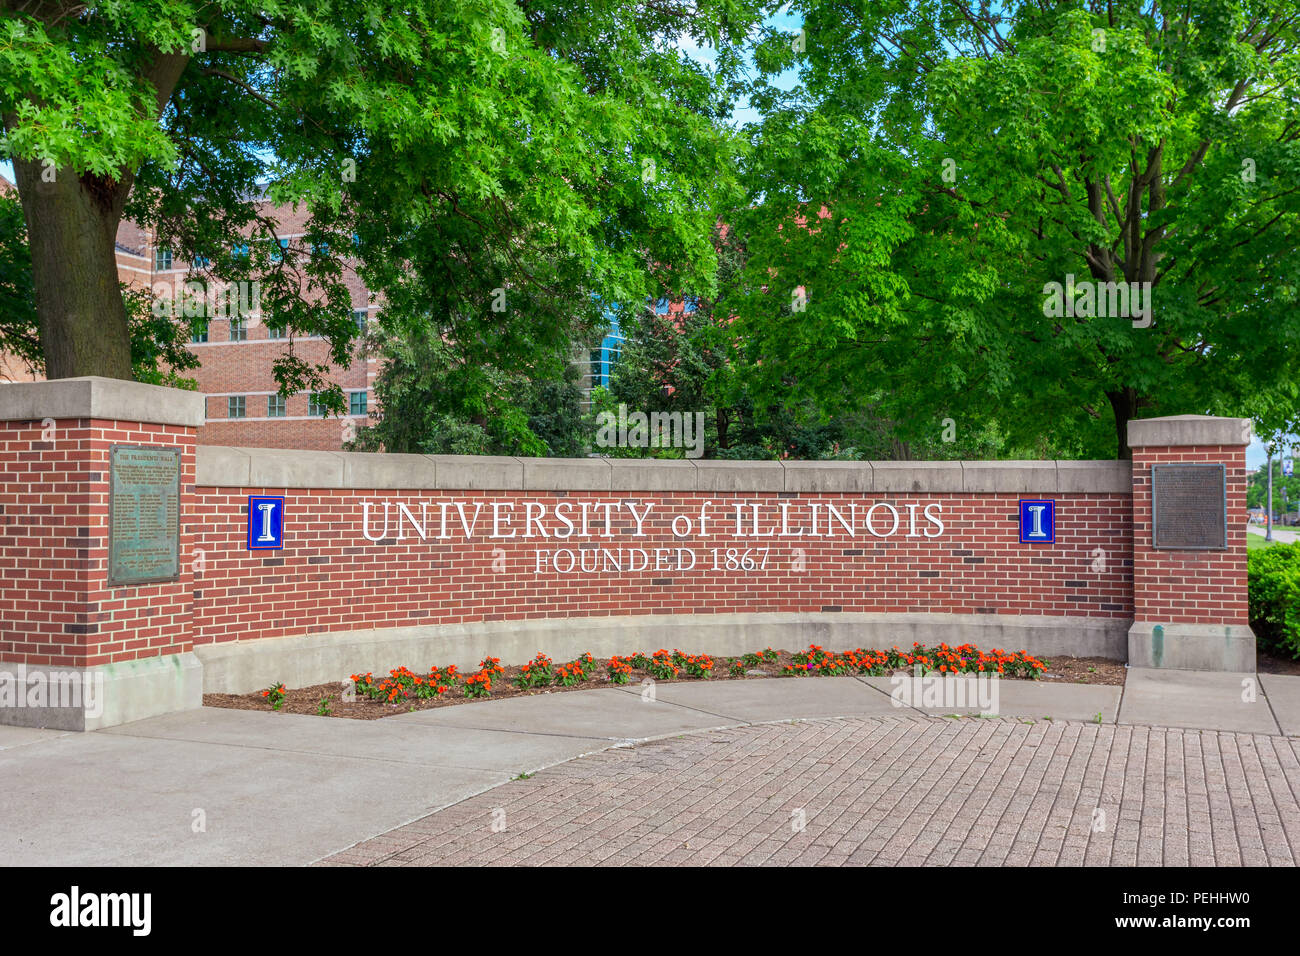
(891, 790)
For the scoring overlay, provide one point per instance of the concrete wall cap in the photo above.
(281, 468)
(478, 472)
(1188, 430)
(1012, 477)
(922, 476)
(1094, 477)
(652, 474)
(218, 466)
(221, 466)
(817, 476)
(366, 470)
(567, 474)
(726, 475)
(107, 399)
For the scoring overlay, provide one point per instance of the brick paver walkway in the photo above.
(888, 790)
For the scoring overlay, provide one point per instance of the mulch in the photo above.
(325, 700)
(1266, 663)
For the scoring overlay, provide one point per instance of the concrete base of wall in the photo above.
(1192, 647)
(89, 698)
(246, 666)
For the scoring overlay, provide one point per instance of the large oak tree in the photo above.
(497, 166)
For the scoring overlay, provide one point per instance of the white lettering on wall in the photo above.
(594, 534)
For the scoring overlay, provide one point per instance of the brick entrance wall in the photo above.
(333, 600)
(58, 608)
(332, 578)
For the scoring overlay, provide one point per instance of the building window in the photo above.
(235, 406)
(315, 406)
(239, 251)
(356, 403)
(275, 406)
(275, 331)
(201, 262)
(162, 259)
(277, 251)
(238, 330)
(198, 331)
(604, 359)
(359, 317)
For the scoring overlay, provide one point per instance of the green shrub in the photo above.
(1274, 582)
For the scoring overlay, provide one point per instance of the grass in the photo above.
(1256, 542)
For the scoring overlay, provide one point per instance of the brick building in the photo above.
(244, 407)
(236, 354)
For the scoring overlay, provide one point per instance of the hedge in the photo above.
(1274, 585)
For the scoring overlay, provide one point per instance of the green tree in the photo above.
(941, 163)
(1257, 487)
(694, 362)
(431, 401)
(18, 331)
(158, 353)
(490, 162)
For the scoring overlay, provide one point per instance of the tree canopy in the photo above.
(941, 164)
(496, 166)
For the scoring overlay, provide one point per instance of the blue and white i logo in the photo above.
(265, 522)
(1037, 521)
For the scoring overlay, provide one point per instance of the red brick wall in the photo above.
(244, 368)
(1190, 587)
(329, 577)
(319, 434)
(54, 604)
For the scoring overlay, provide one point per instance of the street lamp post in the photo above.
(1268, 536)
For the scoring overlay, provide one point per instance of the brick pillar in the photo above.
(77, 653)
(1189, 606)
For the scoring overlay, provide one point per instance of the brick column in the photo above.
(1189, 606)
(75, 653)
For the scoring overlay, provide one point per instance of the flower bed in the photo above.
(365, 695)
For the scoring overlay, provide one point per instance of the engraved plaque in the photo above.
(1188, 508)
(144, 504)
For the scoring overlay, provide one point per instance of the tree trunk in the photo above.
(1124, 403)
(72, 230)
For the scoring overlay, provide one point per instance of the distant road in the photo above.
(1285, 535)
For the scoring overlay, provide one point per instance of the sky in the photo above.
(783, 20)
(1257, 454)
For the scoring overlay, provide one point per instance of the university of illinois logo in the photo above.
(265, 522)
(1037, 521)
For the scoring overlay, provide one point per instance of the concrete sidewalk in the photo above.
(1280, 534)
(219, 786)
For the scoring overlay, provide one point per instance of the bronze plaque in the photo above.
(1188, 508)
(144, 509)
